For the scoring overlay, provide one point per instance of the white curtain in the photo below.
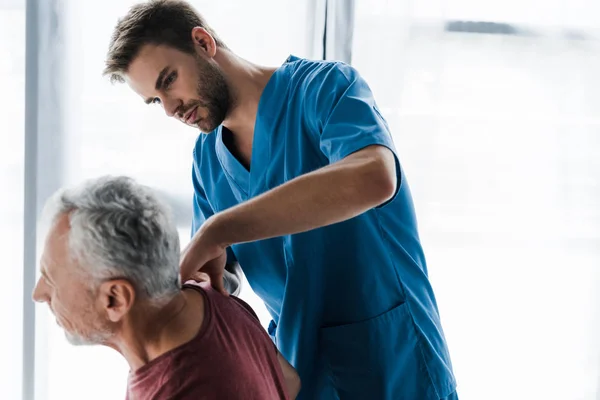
(12, 117)
(499, 136)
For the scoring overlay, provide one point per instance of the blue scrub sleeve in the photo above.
(203, 210)
(346, 116)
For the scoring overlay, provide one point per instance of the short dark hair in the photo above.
(158, 22)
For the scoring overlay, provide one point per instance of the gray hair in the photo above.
(120, 229)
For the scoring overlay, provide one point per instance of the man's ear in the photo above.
(116, 298)
(204, 42)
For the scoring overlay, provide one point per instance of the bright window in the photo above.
(12, 117)
(499, 136)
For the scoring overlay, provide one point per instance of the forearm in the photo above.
(329, 195)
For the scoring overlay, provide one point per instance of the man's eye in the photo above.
(169, 80)
(156, 100)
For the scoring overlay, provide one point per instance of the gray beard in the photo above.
(78, 340)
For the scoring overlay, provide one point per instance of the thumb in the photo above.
(199, 277)
(184, 271)
(188, 267)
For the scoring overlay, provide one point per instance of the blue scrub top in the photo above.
(322, 286)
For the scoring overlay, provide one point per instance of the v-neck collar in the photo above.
(250, 182)
(236, 172)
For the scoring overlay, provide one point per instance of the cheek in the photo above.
(187, 86)
(203, 112)
(178, 94)
(60, 305)
(69, 310)
(63, 315)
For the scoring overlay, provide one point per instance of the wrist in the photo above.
(213, 228)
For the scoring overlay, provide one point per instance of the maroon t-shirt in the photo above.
(231, 357)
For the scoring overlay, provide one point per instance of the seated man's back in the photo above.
(231, 357)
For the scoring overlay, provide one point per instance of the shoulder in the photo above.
(235, 306)
(246, 308)
(199, 286)
(317, 75)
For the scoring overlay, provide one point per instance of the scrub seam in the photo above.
(391, 258)
(424, 364)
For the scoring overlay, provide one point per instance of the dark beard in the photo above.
(214, 95)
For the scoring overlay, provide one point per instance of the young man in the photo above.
(296, 177)
(110, 275)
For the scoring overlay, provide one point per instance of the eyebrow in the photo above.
(159, 82)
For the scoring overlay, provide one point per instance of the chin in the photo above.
(77, 340)
(80, 340)
(205, 127)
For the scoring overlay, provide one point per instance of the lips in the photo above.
(191, 116)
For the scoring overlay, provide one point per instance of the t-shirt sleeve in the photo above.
(246, 306)
(249, 309)
(342, 111)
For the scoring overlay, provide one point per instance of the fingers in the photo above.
(218, 284)
(196, 268)
(187, 269)
(200, 277)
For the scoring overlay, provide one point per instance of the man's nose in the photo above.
(171, 107)
(39, 294)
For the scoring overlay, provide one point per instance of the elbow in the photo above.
(294, 385)
(386, 188)
(380, 181)
(290, 376)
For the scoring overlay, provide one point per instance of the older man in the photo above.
(110, 275)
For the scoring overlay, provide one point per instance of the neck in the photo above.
(247, 82)
(153, 331)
